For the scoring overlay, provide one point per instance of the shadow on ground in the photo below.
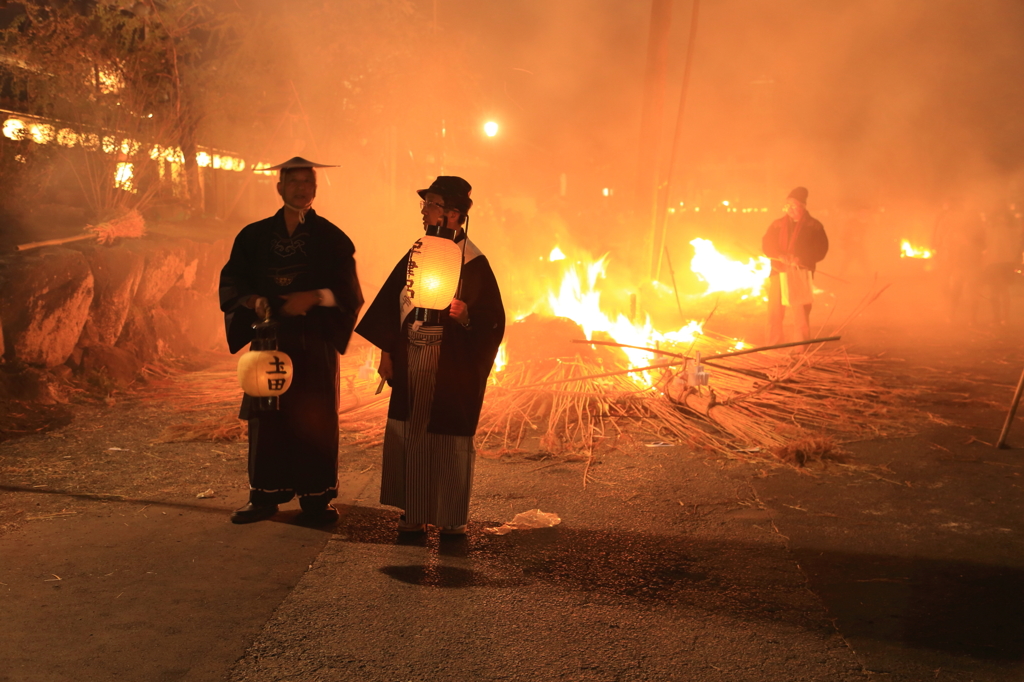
(958, 607)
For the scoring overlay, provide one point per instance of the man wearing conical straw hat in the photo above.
(299, 269)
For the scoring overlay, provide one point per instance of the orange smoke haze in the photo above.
(884, 110)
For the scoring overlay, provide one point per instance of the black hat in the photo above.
(454, 189)
(800, 194)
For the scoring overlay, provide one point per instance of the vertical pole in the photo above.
(666, 189)
(651, 112)
(1001, 443)
(392, 152)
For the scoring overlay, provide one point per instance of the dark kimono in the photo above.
(440, 374)
(294, 450)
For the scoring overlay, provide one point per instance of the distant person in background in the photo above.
(959, 243)
(298, 268)
(795, 243)
(438, 374)
(1004, 254)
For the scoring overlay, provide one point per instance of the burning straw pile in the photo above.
(792, 405)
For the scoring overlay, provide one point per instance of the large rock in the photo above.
(165, 264)
(211, 261)
(154, 334)
(117, 272)
(197, 315)
(138, 336)
(115, 365)
(171, 339)
(33, 385)
(44, 304)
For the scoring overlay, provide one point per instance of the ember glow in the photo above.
(724, 274)
(500, 360)
(908, 250)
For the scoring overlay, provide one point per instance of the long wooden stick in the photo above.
(778, 345)
(1001, 443)
(675, 289)
(668, 364)
(709, 357)
(662, 198)
(53, 242)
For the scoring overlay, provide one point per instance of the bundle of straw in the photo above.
(767, 405)
(757, 405)
(130, 225)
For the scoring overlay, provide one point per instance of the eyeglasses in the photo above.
(431, 204)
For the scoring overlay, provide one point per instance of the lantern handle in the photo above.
(265, 322)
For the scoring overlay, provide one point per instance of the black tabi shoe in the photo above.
(319, 517)
(252, 513)
(406, 527)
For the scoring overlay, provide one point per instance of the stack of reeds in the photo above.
(787, 405)
(209, 400)
(791, 406)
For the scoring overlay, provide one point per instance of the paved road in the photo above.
(670, 566)
(668, 571)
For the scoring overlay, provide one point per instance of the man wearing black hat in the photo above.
(298, 269)
(437, 373)
(795, 243)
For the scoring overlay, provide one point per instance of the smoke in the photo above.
(871, 104)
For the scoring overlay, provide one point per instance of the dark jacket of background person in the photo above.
(809, 247)
(467, 355)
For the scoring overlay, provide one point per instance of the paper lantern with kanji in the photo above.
(435, 265)
(265, 373)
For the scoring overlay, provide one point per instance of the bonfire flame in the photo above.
(578, 298)
(724, 274)
(908, 250)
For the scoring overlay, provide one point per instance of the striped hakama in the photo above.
(428, 475)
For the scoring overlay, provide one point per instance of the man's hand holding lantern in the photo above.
(260, 304)
(459, 312)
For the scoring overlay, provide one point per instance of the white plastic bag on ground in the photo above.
(526, 520)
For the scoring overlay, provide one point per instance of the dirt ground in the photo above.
(669, 564)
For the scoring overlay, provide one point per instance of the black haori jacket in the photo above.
(331, 266)
(467, 355)
(804, 242)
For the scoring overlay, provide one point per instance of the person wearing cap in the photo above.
(299, 269)
(437, 374)
(795, 243)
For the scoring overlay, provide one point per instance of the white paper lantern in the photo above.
(435, 265)
(265, 373)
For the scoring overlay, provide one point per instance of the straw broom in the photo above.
(130, 225)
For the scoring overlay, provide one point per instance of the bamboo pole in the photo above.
(709, 357)
(662, 197)
(669, 364)
(1001, 443)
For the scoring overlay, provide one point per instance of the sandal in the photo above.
(453, 530)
